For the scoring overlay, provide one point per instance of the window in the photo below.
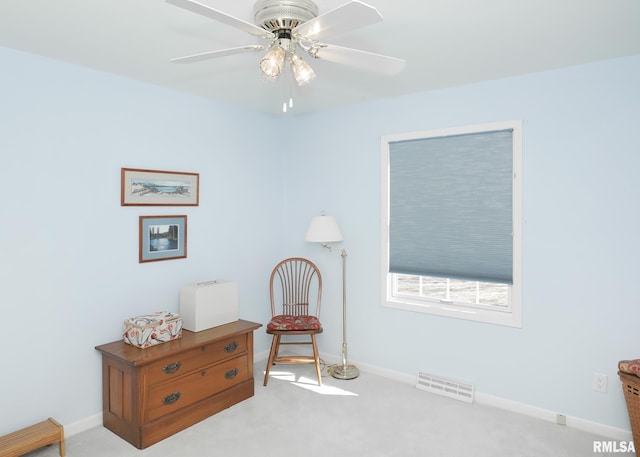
(451, 222)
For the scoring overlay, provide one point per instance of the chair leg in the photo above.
(275, 344)
(316, 357)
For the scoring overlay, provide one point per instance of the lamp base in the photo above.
(344, 372)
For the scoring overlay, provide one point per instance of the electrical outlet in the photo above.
(599, 382)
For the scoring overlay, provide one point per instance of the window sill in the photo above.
(507, 319)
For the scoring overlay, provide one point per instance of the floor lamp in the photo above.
(324, 229)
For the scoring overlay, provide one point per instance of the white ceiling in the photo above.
(445, 43)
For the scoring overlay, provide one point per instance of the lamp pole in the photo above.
(324, 229)
(345, 371)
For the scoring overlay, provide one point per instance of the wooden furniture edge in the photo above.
(139, 357)
(33, 437)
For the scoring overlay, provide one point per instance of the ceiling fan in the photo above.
(291, 26)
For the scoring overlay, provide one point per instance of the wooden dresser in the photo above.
(150, 394)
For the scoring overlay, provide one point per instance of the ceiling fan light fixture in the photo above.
(272, 63)
(293, 26)
(302, 71)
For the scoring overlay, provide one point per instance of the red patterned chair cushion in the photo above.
(292, 323)
(630, 366)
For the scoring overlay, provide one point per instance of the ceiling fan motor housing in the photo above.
(281, 16)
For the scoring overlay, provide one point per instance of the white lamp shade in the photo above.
(323, 229)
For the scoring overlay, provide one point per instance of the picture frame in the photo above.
(162, 238)
(140, 187)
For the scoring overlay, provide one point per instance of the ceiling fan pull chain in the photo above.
(286, 106)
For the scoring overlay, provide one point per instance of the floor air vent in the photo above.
(445, 387)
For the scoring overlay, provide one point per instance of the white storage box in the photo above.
(208, 304)
(152, 329)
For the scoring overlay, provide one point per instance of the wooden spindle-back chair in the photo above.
(296, 291)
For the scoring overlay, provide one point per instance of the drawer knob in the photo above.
(231, 347)
(171, 367)
(171, 398)
(231, 374)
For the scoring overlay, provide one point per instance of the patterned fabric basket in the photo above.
(152, 329)
(631, 389)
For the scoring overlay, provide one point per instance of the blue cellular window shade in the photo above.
(450, 207)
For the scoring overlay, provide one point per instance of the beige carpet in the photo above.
(368, 416)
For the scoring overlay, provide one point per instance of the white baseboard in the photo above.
(260, 356)
(83, 425)
(503, 403)
(480, 398)
(551, 416)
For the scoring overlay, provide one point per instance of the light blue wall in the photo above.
(70, 275)
(581, 224)
(69, 270)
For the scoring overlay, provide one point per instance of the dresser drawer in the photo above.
(181, 392)
(194, 359)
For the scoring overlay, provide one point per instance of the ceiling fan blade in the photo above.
(225, 18)
(216, 54)
(363, 60)
(350, 16)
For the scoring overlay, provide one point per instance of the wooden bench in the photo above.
(28, 439)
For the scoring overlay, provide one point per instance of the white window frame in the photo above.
(512, 315)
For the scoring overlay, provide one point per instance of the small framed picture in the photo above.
(163, 238)
(159, 188)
